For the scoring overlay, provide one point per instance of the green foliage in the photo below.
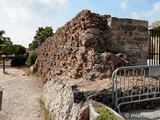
(7, 47)
(155, 32)
(4, 41)
(156, 28)
(2, 32)
(105, 114)
(1, 36)
(19, 60)
(41, 35)
(14, 49)
(35, 44)
(31, 59)
(19, 49)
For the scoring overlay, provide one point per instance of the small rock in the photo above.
(103, 76)
(90, 76)
(59, 72)
(79, 96)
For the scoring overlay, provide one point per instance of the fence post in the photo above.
(3, 65)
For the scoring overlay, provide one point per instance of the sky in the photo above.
(21, 18)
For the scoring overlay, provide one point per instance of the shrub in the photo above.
(105, 114)
(31, 59)
(19, 60)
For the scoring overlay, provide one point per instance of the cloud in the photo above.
(124, 4)
(135, 15)
(14, 11)
(21, 18)
(156, 7)
(153, 14)
(59, 4)
(25, 9)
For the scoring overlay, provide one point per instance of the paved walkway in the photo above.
(20, 95)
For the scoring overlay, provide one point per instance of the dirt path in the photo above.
(20, 95)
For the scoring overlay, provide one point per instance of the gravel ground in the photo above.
(20, 95)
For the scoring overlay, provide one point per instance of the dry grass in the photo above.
(44, 109)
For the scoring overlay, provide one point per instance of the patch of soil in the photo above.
(20, 95)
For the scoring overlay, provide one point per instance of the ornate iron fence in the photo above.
(154, 47)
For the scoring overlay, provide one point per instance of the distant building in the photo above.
(154, 25)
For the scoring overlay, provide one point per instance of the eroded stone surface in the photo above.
(65, 100)
(59, 100)
(86, 47)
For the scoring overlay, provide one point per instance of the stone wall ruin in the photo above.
(89, 47)
(92, 46)
(130, 37)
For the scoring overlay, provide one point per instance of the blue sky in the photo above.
(21, 18)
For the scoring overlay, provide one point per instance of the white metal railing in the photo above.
(133, 84)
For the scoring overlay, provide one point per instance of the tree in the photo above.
(14, 49)
(1, 36)
(4, 41)
(21, 50)
(2, 32)
(31, 59)
(8, 47)
(155, 31)
(41, 35)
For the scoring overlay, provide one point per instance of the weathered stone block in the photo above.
(93, 41)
